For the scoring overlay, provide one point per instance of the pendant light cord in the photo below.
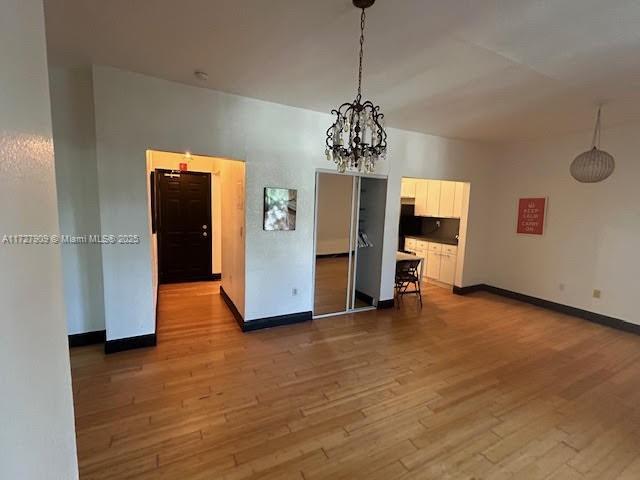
(596, 132)
(362, 23)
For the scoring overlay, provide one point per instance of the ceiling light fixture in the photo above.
(357, 139)
(594, 165)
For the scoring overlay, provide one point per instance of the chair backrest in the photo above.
(407, 267)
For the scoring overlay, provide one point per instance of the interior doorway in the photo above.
(184, 226)
(433, 229)
(197, 227)
(349, 234)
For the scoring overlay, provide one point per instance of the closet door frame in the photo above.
(353, 241)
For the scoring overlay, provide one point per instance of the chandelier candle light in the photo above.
(357, 139)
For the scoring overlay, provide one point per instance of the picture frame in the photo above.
(531, 216)
(280, 209)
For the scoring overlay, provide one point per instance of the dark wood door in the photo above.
(184, 226)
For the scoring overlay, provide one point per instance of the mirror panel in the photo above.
(333, 237)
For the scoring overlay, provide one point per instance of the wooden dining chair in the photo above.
(407, 275)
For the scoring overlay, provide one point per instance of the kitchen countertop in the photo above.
(444, 241)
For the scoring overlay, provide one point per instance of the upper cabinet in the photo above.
(447, 199)
(408, 188)
(458, 199)
(435, 198)
(422, 188)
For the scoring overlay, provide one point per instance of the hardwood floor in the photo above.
(476, 387)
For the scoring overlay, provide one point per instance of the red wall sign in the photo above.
(531, 215)
(184, 167)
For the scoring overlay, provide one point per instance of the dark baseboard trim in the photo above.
(232, 307)
(203, 278)
(278, 321)
(131, 343)
(333, 255)
(598, 318)
(384, 304)
(263, 322)
(469, 289)
(368, 299)
(88, 338)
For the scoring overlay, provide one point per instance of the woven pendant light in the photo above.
(594, 165)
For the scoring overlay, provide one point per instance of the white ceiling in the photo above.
(491, 70)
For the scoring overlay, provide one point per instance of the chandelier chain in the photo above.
(596, 131)
(362, 23)
(356, 139)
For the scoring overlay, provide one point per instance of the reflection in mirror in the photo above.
(333, 229)
(368, 268)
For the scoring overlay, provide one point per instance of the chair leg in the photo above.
(395, 296)
(419, 292)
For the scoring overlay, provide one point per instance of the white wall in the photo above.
(426, 156)
(77, 185)
(281, 146)
(37, 438)
(233, 176)
(592, 232)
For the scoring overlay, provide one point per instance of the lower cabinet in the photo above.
(433, 265)
(441, 263)
(447, 268)
(440, 259)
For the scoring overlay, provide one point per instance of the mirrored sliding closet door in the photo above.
(349, 233)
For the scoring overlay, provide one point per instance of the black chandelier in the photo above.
(357, 139)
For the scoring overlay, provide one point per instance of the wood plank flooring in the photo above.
(476, 387)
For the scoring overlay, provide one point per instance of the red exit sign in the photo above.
(531, 212)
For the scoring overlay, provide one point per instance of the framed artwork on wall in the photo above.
(531, 215)
(280, 206)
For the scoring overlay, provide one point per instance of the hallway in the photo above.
(468, 387)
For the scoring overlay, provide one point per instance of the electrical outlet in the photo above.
(438, 223)
(294, 291)
(597, 293)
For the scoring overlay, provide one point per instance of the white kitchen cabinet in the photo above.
(447, 268)
(458, 200)
(434, 247)
(447, 199)
(422, 188)
(410, 244)
(441, 259)
(433, 198)
(450, 249)
(408, 188)
(433, 265)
